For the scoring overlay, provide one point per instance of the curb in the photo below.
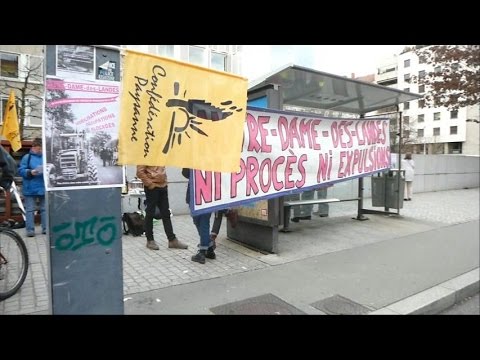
(437, 298)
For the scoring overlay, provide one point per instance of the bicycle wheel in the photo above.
(13, 263)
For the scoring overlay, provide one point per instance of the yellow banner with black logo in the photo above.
(179, 114)
(10, 129)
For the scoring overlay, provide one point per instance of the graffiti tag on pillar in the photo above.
(74, 235)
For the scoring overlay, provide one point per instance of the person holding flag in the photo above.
(10, 129)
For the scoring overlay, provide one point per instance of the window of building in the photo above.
(421, 103)
(406, 89)
(197, 55)
(406, 133)
(166, 50)
(406, 63)
(33, 112)
(218, 61)
(454, 114)
(406, 120)
(421, 74)
(437, 69)
(436, 116)
(406, 77)
(420, 132)
(453, 130)
(9, 65)
(406, 106)
(422, 59)
(421, 118)
(436, 131)
(455, 148)
(421, 88)
(3, 104)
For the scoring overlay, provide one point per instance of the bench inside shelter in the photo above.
(287, 206)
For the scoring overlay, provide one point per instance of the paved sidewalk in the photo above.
(332, 263)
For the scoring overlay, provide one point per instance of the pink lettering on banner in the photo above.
(253, 144)
(265, 173)
(294, 135)
(277, 185)
(360, 134)
(236, 178)
(289, 184)
(252, 171)
(334, 134)
(314, 134)
(301, 170)
(283, 152)
(282, 124)
(203, 187)
(218, 185)
(254, 129)
(340, 174)
(324, 167)
(356, 161)
(385, 131)
(262, 120)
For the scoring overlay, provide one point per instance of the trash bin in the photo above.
(388, 189)
(378, 190)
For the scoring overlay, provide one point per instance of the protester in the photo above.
(202, 223)
(230, 214)
(33, 187)
(155, 184)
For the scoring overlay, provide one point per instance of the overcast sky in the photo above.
(343, 60)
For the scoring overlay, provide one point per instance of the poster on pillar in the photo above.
(290, 152)
(81, 134)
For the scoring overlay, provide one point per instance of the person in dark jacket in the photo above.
(33, 187)
(202, 223)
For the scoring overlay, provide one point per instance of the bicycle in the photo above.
(13, 262)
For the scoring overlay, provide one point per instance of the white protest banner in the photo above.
(285, 153)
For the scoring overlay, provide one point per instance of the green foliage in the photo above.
(455, 81)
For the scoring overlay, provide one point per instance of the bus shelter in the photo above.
(292, 87)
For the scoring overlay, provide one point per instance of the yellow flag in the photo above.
(10, 128)
(178, 114)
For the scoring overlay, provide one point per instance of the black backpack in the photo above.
(133, 223)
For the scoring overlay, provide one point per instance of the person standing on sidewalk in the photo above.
(202, 223)
(230, 214)
(33, 186)
(155, 184)
(409, 165)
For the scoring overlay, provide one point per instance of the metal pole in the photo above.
(400, 130)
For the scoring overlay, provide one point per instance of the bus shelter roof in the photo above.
(310, 88)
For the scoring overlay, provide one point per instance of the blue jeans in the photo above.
(30, 205)
(202, 222)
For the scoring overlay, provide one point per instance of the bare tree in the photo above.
(30, 88)
(455, 80)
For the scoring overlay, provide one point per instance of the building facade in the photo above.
(22, 69)
(219, 57)
(434, 130)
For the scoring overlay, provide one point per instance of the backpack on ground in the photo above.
(133, 223)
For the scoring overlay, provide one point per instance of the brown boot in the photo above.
(176, 244)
